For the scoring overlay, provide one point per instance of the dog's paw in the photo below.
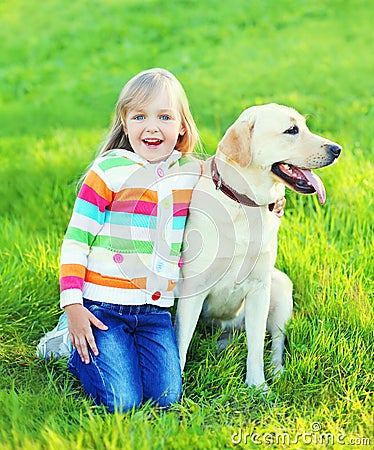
(259, 385)
(277, 372)
(262, 391)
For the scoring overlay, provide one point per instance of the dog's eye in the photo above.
(293, 130)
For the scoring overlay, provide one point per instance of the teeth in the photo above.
(152, 140)
(290, 170)
(287, 168)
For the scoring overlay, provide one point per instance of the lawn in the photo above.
(62, 65)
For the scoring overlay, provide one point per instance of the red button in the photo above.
(181, 262)
(156, 296)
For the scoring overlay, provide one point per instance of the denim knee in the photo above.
(170, 397)
(117, 403)
(119, 398)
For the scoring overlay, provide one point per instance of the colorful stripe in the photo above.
(78, 235)
(94, 181)
(181, 202)
(135, 207)
(89, 210)
(97, 278)
(127, 245)
(139, 194)
(109, 242)
(76, 270)
(179, 222)
(180, 209)
(131, 220)
(175, 249)
(91, 196)
(182, 196)
(71, 282)
(115, 161)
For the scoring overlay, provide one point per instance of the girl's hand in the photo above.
(80, 321)
(279, 205)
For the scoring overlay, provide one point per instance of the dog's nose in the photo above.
(334, 149)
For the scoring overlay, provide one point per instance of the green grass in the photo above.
(62, 66)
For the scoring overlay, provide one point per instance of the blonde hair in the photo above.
(136, 93)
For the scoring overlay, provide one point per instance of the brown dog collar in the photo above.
(229, 191)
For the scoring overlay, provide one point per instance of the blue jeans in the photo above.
(138, 358)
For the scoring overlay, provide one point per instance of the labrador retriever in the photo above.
(230, 248)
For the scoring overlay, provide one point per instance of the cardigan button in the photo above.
(118, 258)
(160, 172)
(156, 296)
(166, 203)
(160, 265)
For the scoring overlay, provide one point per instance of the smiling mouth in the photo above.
(152, 142)
(303, 181)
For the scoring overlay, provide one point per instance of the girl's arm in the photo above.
(87, 220)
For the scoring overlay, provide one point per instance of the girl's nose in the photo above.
(151, 126)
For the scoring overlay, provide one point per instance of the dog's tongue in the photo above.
(316, 182)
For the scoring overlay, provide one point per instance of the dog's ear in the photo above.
(236, 142)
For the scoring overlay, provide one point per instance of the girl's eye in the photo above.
(165, 117)
(139, 117)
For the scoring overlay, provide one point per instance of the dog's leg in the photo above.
(256, 312)
(280, 313)
(188, 313)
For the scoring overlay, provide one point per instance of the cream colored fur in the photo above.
(230, 249)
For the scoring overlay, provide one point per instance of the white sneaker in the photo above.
(56, 343)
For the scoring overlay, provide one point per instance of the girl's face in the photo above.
(153, 129)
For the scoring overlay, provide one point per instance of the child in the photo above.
(120, 258)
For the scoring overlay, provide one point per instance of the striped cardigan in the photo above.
(124, 239)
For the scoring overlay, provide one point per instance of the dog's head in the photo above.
(276, 139)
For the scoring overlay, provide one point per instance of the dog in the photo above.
(230, 247)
